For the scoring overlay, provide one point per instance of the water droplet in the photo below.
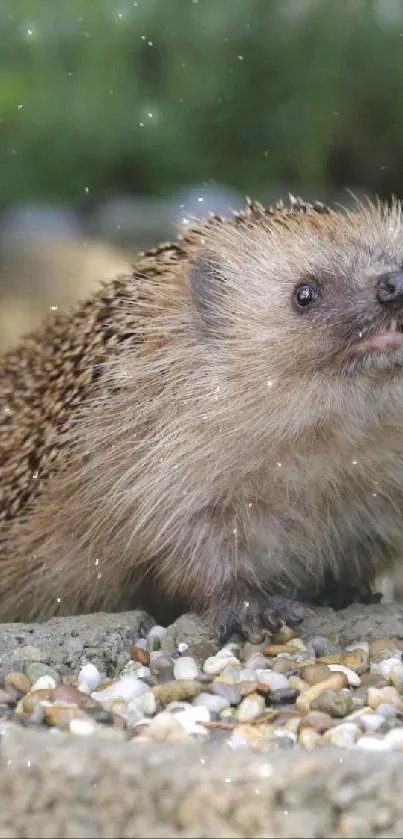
(58, 599)
(141, 124)
(53, 308)
(354, 462)
(240, 57)
(86, 189)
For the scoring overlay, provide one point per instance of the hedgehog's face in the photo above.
(308, 298)
(362, 314)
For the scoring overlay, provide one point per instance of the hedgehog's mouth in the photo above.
(387, 339)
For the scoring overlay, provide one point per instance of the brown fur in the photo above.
(187, 423)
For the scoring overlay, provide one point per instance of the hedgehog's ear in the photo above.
(208, 292)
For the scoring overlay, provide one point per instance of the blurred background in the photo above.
(122, 119)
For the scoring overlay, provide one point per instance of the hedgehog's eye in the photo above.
(304, 295)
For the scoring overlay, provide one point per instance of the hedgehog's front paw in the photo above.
(255, 616)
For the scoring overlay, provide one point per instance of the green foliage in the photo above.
(105, 96)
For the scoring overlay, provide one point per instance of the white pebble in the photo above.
(373, 744)
(395, 738)
(141, 643)
(82, 727)
(185, 668)
(344, 735)
(89, 678)
(216, 664)
(44, 683)
(190, 718)
(183, 647)
(385, 666)
(353, 678)
(146, 703)
(156, 636)
(165, 726)
(276, 681)
(157, 632)
(126, 688)
(250, 708)
(212, 702)
(371, 722)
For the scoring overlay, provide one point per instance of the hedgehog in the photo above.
(221, 427)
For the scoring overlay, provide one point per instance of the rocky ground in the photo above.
(112, 726)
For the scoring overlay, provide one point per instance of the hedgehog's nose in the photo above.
(389, 288)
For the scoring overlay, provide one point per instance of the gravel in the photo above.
(147, 689)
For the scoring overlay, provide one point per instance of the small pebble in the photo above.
(141, 655)
(309, 738)
(229, 692)
(145, 704)
(395, 738)
(212, 702)
(82, 727)
(89, 678)
(383, 645)
(257, 662)
(282, 696)
(373, 744)
(384, 667)
(275, 681)
(176, 690)
(353, 678)
(216, 664)
(334, 683)
(315, 673)
(370, 723)
(246, 674)
(165, 726)
(288, 666)
(191, 717)
(156, 636)
(388, 695)
(185, 668)
(323, 645)
(344, 735)
(251, 736)
(250, 708)
(34, 698)
(45, 682)
(126, 688)
(333, 702)
(357, 660)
